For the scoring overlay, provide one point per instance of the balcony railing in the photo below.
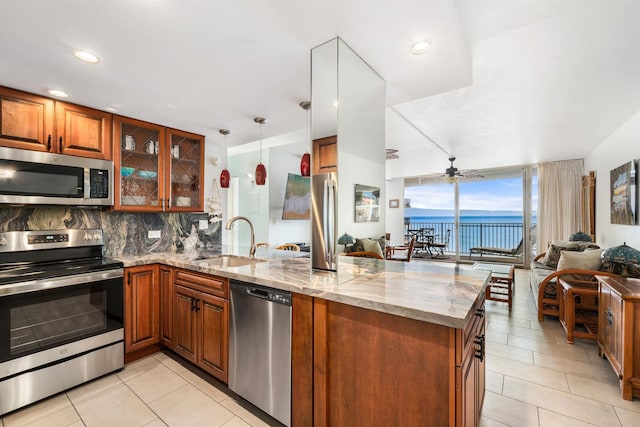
(472, 235)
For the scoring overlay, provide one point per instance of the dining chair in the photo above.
(404, 257)
(289, 247)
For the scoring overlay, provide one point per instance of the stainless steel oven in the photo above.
(61, 313)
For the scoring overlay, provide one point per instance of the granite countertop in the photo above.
(434, 292)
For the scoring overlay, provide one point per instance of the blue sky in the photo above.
(494, 195)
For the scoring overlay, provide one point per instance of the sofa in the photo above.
(573, 261)
(375, 245)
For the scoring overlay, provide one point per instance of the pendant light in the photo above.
(261, 171)
(225, 177)
(305, 162)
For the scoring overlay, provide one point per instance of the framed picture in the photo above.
(297, 198)
(394, 203)
(407, 203)
(367, 203)
(624, 194)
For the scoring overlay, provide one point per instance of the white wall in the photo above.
(395, 217)
(621, 147)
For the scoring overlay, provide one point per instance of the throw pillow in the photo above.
(587, 260)
(358, 246)
(580, 237)
(372, 246)
(553, 254)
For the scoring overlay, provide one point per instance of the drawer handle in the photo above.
(60, 145)
(479, 352)
(609, 315)
(480, 312)
(49, 143)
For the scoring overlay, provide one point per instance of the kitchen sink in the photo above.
(230, 261)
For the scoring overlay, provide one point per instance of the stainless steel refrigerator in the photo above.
(324, 217)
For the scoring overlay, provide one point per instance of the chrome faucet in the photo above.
(252, 249)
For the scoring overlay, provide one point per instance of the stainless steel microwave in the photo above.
(37, 178)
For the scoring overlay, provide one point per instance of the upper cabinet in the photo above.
(83, 131)
(157, 169)
(26, 121)
(41, 124)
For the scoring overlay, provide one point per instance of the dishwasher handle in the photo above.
(259, 293)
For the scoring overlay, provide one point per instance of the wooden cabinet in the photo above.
(202, 321)
(142, 307)
(619, 330)
(414, 372)
(27, 120)
(157, 169)
(37, 123)
(83, 131)
(325, 155)
(167, 302)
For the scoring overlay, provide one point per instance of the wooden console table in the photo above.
(619, 330)
(569, 318)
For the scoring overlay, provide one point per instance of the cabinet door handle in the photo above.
(128, 278)
(479, 352)
(197, 307)
(49, 143)
(61, 144)
(193, 300)
(480, 312)
(609, 313)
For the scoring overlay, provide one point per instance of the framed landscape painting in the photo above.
(367, 204)
(297, 198)
(624, 194)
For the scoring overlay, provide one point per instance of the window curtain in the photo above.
(559, 200)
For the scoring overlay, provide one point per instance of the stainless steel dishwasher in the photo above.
(260, 348)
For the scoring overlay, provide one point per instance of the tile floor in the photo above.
(533, 378)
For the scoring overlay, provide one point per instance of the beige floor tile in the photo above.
(586, 370)
(601, 391)
(189, 406)
(627, 418)
(209, 389)
(528, 372)
(133, 369)
(564, 350)
(497, 337)
(553, 419)
(241, 412)
(116, 407)
(488, 422)
(561, 402)
(76, 424)
(236, 422)
(534, 334)
(52, 412)
(172, 364)
(509, 411)
(156, 423)
(156, 382)
(502, 320)
(509, 352)
(493, 381)
(93, 388)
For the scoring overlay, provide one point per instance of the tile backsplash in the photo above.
(124, 232)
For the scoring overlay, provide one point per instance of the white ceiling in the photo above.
(506, 82)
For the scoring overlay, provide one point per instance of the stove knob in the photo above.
(96, 236)
(87, 236)
(3, 241)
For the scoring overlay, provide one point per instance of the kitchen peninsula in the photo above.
(380, 343)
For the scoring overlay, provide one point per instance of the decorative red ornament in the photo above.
(305, 164)
(225, 178)
(261, 174)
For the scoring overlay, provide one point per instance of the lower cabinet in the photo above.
(142, 307)
(167, 302)
(414, 372)
(201, 327)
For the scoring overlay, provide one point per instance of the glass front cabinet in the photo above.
(156, 168)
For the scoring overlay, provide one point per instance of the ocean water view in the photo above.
(501, 231)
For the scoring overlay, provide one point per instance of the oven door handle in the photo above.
(59, 282)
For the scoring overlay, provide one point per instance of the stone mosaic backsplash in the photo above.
(125, 233)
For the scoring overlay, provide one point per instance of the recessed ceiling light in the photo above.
(85, 56)
(58, 93)
(421, 47)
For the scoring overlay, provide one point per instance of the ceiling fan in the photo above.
(453, 175)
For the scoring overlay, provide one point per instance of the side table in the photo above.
(569, 318)
(500, 287)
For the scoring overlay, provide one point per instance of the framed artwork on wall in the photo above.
(394, 203)
(297, 198)
(624, 194)
(367, 203)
